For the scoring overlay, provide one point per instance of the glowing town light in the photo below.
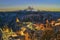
(58, 19)
(17, 20)
(14, 35)
(57, 24)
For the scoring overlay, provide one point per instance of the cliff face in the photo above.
(26, 16)
(8, 16)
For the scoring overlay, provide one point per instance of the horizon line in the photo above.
(33, 8)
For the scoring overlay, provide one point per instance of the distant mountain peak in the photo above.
(29, 8)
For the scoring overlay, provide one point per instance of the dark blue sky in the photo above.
(24, 3)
